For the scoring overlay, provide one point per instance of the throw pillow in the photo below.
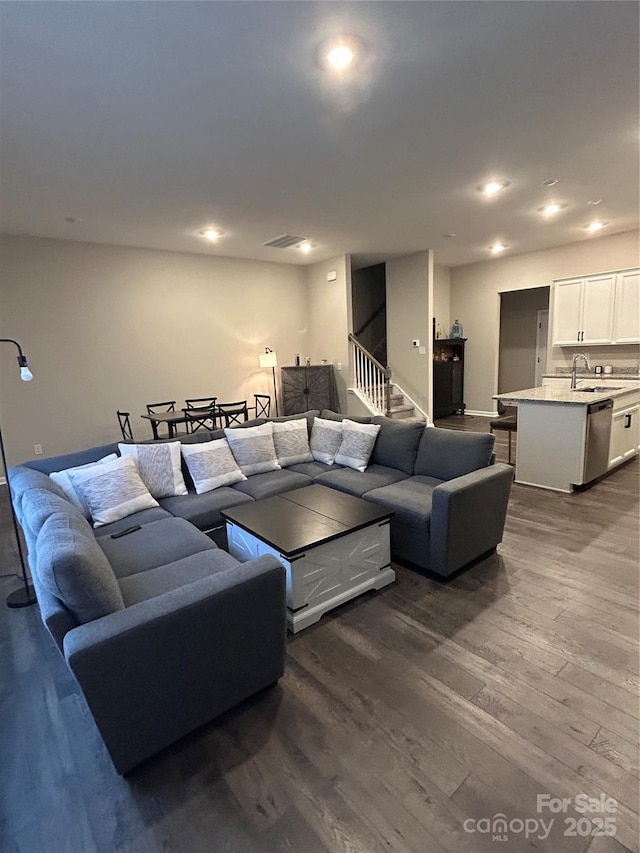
(112, 490)
(291, 441)
(326, 438)
(253, 448)
(158, 466)
(73, 568)
(211, 465)
(357, 444)
(64, 481)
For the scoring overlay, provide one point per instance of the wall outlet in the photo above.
(332, 275)
(37, 449)
(338, 365)
(415, 343)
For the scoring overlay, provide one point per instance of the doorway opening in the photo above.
(524, 320)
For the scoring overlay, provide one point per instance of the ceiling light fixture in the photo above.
(304, 247)
(491, 188)
(340, 57)
(550, 182)
(497, 248)
(552, 208)
(594, 226)
(449, 236)
(595, 202)
(211, 234)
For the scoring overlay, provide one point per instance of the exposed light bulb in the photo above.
(340, 57)
(25, 374)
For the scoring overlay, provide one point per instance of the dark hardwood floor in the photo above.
(402, 715)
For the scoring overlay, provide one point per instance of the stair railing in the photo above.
(372, 379)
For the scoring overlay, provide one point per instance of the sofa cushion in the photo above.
(397, 443)
(204, 510)
(144, 585)
(410, 499)
(153, 545)
(357, 444)
(212, 465)
(253, 448)
(63, 479)
(73, 568)
(145, 516)
(158, 466)
(360, 482)
(328, 415)
(326, 438)
(314, 469)
(446, 453)
(272, 483)
(39, 504)
(71, 460)
(291, 440)
(112, 490)
(22, 478)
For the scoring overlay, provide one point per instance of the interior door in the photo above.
(542, 334)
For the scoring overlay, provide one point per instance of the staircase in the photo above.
(374, 388)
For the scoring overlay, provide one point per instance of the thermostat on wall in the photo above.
(332, 275)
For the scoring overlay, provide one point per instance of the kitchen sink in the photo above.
(600, 388)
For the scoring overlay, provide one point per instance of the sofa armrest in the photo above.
(468, 516)
(155, 671)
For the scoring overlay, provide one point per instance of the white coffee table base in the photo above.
(325, 575)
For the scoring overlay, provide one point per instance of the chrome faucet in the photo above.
(573, 368)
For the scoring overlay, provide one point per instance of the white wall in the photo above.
(475, 301)
(442, 298)
(409, 313)
(107, 327)
(329, 319)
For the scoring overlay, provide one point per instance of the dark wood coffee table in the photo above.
(334, 546)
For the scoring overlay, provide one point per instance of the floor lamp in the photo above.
(25, 596)
(268, 358)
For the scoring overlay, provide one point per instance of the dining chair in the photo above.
(232, 413)
(200, 413)
(263, 405)
(163, 408)
(507, 422)
(125, 425)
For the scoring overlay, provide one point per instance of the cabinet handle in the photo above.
(627, 419)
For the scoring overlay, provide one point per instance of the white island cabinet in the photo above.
(552, 431)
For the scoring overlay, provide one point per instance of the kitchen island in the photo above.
(554, 438)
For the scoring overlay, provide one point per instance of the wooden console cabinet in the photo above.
(448, 377)
(305, 388)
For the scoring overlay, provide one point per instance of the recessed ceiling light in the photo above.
(595, 202)
(594, 226)
(497, 248)
(211, 234)
(550, 182)
(340, 57)
(305, 247)
(449, 236)
(552, 208)
(72, 219)
(492, 188)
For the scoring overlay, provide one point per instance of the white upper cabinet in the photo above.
(597, 309)
(626, 318)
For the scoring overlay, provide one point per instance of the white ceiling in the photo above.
(148, 121)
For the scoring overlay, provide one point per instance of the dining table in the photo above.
(171, 419)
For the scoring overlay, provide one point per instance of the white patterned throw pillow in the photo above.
(291, 440)
(113, 490)
(253, 448)
(357, 444)
(326, 438)
(211, 465)
(63, 479)
(158, 466)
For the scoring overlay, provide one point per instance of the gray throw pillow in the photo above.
(357, 444)
(158, 466)
(253, 448)
(65, 482)
(326, 438)
(211, 465)
(73, 568)
(113, 490)
(291, 441)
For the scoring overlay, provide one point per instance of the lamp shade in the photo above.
(268, 359)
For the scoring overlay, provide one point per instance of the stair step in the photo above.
(396, 399)
(400, 412)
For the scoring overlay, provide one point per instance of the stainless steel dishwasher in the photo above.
(596, 450)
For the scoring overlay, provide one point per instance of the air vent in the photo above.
(284, 241)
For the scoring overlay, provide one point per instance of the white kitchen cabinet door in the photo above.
(567, 312)
(626, 318)
(625, 435)
(597, 309)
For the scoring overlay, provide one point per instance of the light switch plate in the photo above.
(415, 343)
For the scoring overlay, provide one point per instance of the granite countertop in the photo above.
(595, 378)
(550, 394)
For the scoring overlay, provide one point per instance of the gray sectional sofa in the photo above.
(164, 630)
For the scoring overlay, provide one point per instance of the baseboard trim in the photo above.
(478, 414)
